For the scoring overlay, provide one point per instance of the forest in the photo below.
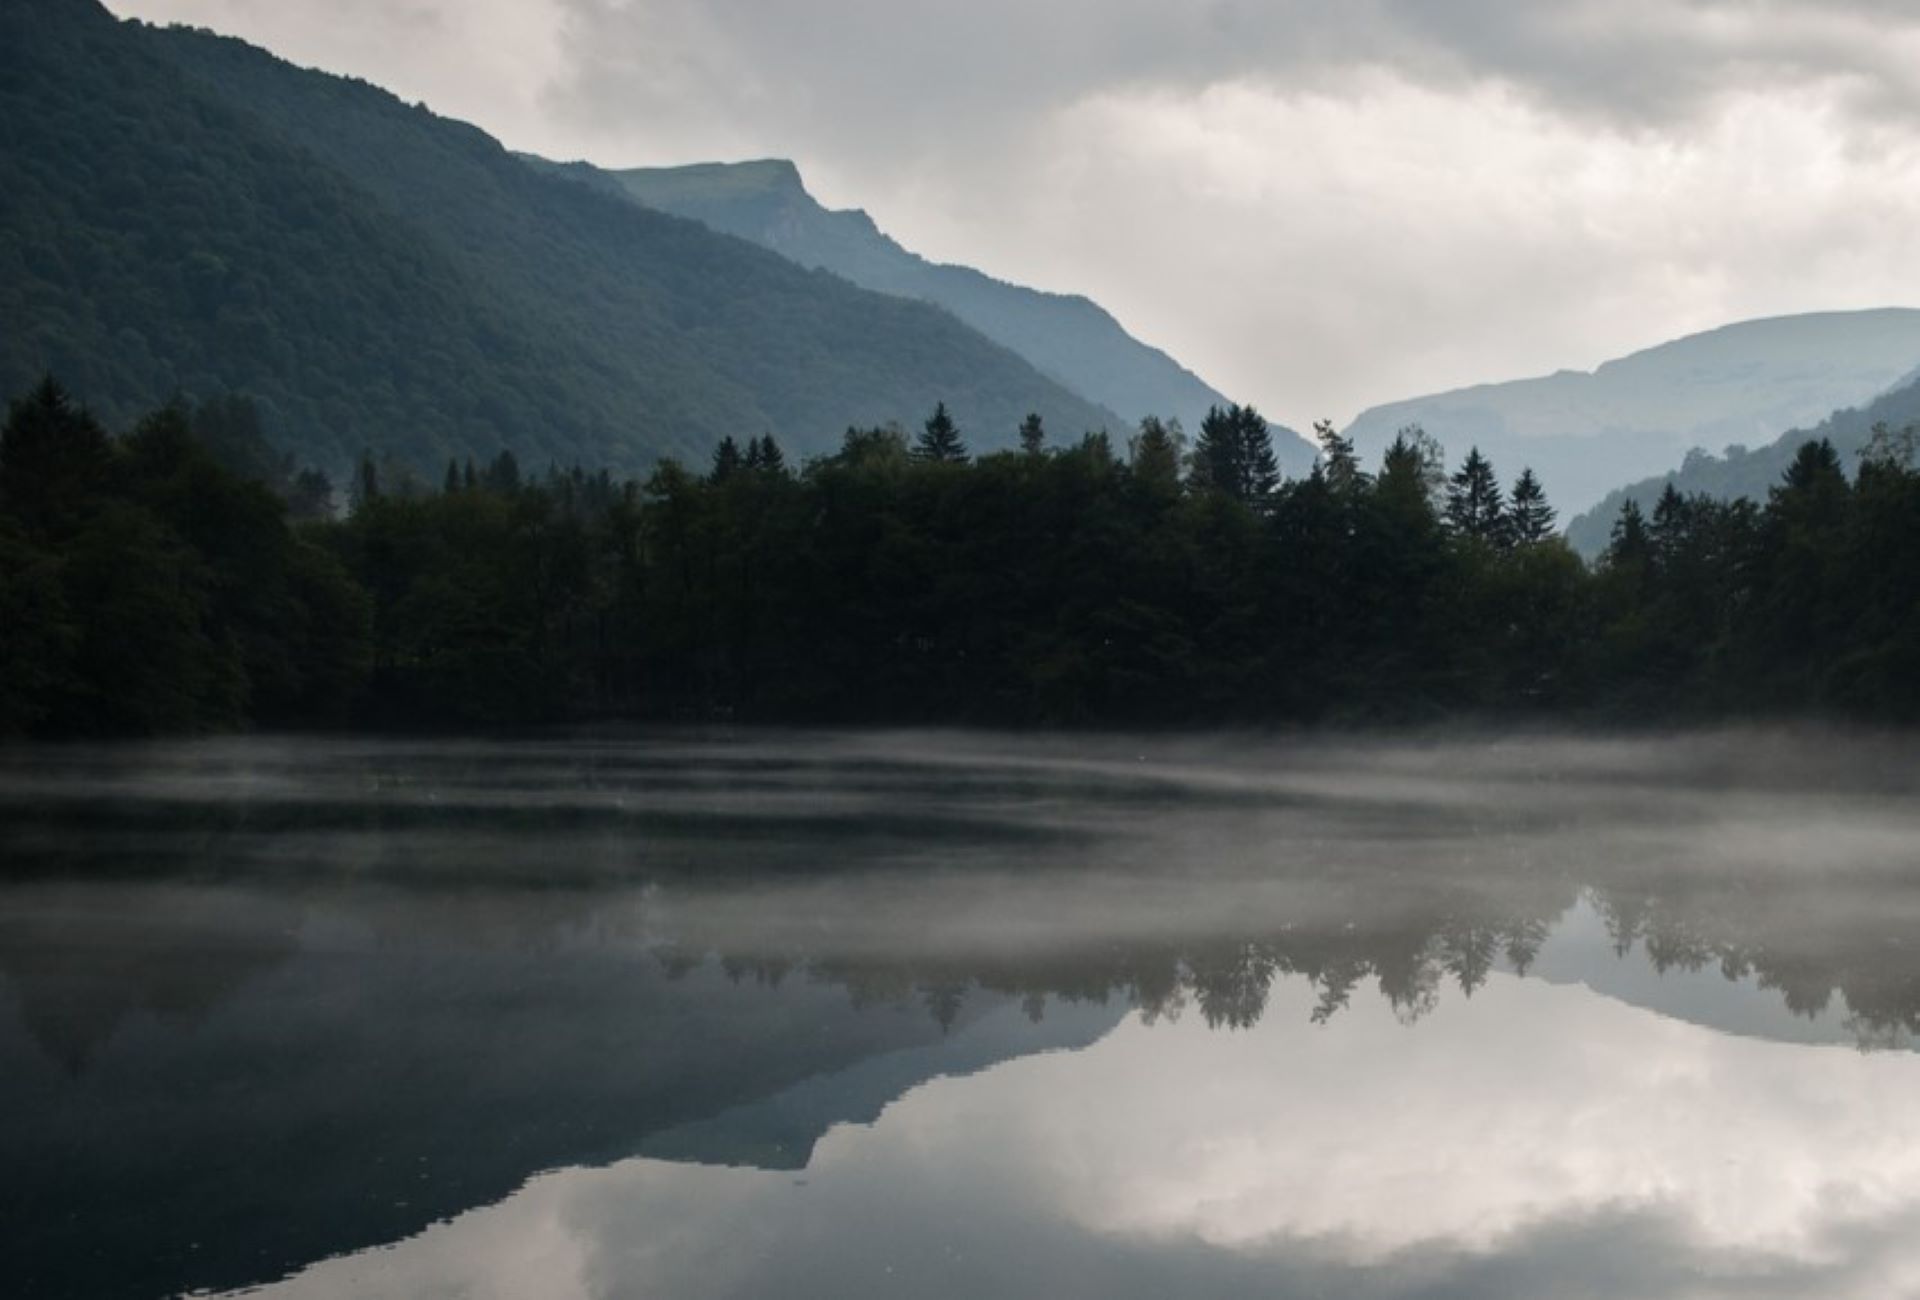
(180, 576)
(181, 211)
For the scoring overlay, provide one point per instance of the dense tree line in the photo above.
(182, 577)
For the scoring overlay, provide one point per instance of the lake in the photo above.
(960, 1015)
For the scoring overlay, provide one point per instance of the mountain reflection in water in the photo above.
(937, 1015)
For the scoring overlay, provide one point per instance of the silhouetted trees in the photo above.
(1234, 455)
(939, 439)
(150, 584)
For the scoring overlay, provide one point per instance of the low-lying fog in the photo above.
(1145, 1014)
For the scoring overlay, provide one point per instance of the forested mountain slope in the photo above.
(1067, 337)
(183, 211)
(1587, 433)
(1741, 473)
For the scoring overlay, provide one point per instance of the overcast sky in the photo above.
(1316, 204)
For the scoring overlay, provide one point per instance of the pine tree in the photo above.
(1475, 505)
(727, 461)
(54, 458)
(1408, 472)
(1339, 461)
(1630, 547)
(939, 439)
(1530, 519)
(1234, 455)
(468, 479)
(1155, 454)
(1033, 435)
(503, 474)
(451, 485)
(764, 456)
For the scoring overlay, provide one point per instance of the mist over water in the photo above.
(958, 1014)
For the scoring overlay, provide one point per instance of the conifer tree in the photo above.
(1405, 486)
(727, 461)
(1155, 454)
(939, 439)
(54, 456)
(468, 479)
(1033, 435)
(451, 485)
(1530, 519)
(503, 474)
(1340, 463)
(1630, 546)
(764, 456)
(1475, 505)
(1234, 455)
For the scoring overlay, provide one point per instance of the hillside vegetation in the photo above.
(180, 211)
(1749, 473)
(1067, 337)
(155, 582)
(1588, 433)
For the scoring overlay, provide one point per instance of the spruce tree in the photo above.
(727, 461)
(764, 456)
(1234, 455)
(1530, 519)
(1476, 507)
(1630, 547)
(939, 439)
(451, 485)
(54, 458)
(1033, 435)
(503, 474)
(1262, 469)
(1155, 454)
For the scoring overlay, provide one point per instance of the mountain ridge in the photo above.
(1741, 472)
(1069, 337)
(185, 212)
(1585, 431)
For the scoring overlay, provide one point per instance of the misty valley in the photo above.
(955, 1014)
(1081, 651)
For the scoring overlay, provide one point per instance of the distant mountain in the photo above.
(1585, 434)
(1066, 337)
(183, 211)
(1744, 473)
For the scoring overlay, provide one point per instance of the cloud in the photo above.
(1537, 1139)
(1319, 206)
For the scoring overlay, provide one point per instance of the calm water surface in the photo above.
(930, 1015)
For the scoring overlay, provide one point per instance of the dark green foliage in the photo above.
(940, 440)
(182, 213)
(765, 457)
(148, 588)
(1234, 455)
(1529, 518)
(1740, 472)
(1475, 506)
(1155, 455)
(727, 461)
(1033, 435)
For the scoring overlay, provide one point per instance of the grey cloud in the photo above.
(889, 70)
(1318, 204)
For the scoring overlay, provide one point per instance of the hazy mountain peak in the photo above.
(1750, 472)
(1067, 337)
(1585, 432)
